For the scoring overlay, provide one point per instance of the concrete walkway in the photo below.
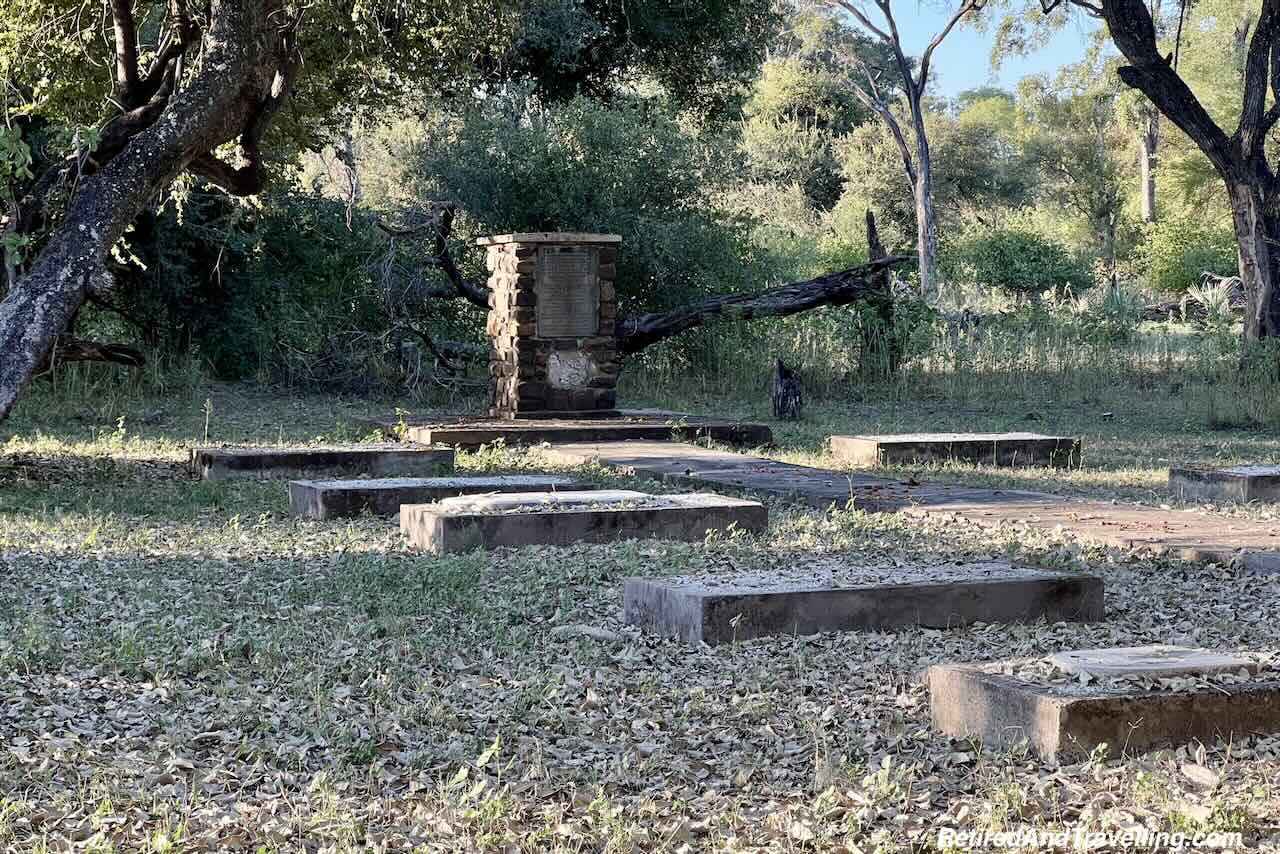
(1188, 534)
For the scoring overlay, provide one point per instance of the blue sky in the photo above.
(963, 61)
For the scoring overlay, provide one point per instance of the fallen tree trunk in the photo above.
(81, 350)
(841, 288)
(870, 281)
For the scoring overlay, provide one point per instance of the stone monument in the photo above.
(552, 324)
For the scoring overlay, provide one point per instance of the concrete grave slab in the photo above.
(628, 425)
(1235, 484)
(999, 449)
(332, 499)
(376, 460)
(718, 608)
(563, 518)
(1157, 660)
(1060, 715)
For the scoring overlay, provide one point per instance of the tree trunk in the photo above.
(1257, 226)
(926, 221)
(237, 76)
(926, 234)
(1148, 143)
(842, 288)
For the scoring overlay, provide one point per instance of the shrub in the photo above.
(1174, 253)
(627, 168)
(1015, 261)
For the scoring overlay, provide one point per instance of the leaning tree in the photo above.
(1240, 157)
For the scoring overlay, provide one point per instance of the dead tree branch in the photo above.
(842, 288)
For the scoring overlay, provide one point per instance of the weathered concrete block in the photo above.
(999, 449)
(331, 499)
(332, 461)
(1070, 719)
(716, 609)
(622, 426)
(1236, 484)
(562, 518)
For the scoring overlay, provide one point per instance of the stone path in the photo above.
(1001, 449)
(1187, 534)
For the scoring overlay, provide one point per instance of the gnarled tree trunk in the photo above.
(243, 74)
(1257, 227)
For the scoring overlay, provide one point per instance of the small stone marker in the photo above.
(377, 460)
(332, 499)
(1131, 699)
(999, 449)
(1156, 661)
(716, 609)
(562, 518)
(1239, 483)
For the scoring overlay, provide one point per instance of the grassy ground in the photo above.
(183, 666)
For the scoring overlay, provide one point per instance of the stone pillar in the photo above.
(552, 324)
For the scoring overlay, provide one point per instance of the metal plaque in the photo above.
(568, 292)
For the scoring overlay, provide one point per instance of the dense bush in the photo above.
(287, 290)
(1017, 262)
(1176, 252)
(626, 168)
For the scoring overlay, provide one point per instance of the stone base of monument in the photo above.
(993, 449)
(563, 518)
(330, 461)
(1130, 699)
(626, 425)
(717, 608)
(333, 499)
(1236, 484)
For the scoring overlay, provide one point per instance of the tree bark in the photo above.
(926, 226)
(243, 60)
(1257, 228)
(1239, 158)
(1148, 144)
(842, 288)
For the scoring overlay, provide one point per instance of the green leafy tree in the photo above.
(1017, 262)
(1076, 138)
(199, 89)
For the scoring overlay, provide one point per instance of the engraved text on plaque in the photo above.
(568, 293)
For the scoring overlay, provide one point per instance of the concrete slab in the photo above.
(1226, 485)
(628, 425)
(333, 499)
(1157, 660)
(999, 449)
(995, 703)
(377, 460)
(716, 609)
(598, 516)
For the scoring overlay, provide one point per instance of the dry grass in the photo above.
(187, 668)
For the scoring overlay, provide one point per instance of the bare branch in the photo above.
(966, 6)
(1257, 65)
(441, 226)
(1133, 32)
(842, 288)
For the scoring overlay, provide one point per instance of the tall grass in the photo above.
(1040, 357)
